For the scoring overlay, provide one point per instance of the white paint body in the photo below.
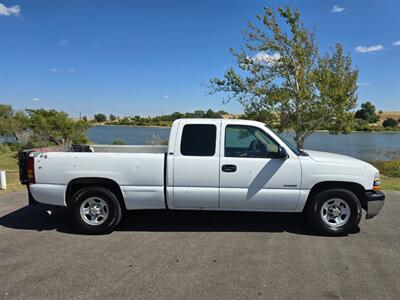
(190, 182)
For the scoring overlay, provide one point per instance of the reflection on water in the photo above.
(363, 145)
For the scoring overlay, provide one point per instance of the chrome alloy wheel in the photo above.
(335, 212)
(94, 211)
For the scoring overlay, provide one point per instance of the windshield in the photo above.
(289, 142)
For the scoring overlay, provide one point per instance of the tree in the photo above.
(283, 73)
(100, 117)
(213, 114)
(367, 112)
(13, 123)
(51, 127)
(125, 121)
(390, 122)
(112, 117)
(176, 115)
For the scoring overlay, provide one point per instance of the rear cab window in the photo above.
(198, 140)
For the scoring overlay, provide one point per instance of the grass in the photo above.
(390, 180)
(390, 174)
(8, 162)
(390, 168)
(390, 183)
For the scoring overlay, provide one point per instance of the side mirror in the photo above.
(282, 153)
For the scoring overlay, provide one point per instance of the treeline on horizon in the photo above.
(163, 120)
(365, 119)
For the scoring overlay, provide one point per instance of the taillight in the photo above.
(31, 169)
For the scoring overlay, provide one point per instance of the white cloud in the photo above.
(364, 49)
(71, 70)
(363, 83)
(36, 99)
(265, 57)
(165, 97)
(396, 43)
(9, 11)
(63, 42)
(337, 9)
(54, 70)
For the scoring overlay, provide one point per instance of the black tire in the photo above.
(112, 208)
(315, 217)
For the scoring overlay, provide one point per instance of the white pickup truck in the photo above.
(209, 164)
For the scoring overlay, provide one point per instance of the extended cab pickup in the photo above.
(209, 164)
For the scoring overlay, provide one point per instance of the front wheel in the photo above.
(334, 212)
(96, 210)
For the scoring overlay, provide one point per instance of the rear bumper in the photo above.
(50, 194)
(375, 201)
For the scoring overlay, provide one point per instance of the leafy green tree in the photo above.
(367, 112)
(212, 114)
(13, 123)
(222, 113)
(390, 122)
(125, 121)
(100, 117)
(51, 127)
(262, 115)
(281, 71)
(112, 117)
(176, 115)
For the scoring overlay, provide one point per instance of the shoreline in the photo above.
(140, 126)
(322, 130)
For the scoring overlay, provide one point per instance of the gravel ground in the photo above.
(195, 255)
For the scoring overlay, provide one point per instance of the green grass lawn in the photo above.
(8, 162)
(390, 183)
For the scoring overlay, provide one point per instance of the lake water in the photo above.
(363, 145)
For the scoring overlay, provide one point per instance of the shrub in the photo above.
(156, 140)
(390, 122)
(362, 125)
(119, 142)
(390, 168)
(4, 148)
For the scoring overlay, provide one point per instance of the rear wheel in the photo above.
(96, 210)
(334, 211)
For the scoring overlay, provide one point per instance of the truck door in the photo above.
(252, 177)
(196, 165)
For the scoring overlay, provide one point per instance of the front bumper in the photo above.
(375, 201)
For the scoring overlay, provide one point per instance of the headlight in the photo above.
(377, 182)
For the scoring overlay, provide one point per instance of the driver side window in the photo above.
(249, 141)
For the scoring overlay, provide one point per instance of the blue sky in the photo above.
(152, 57)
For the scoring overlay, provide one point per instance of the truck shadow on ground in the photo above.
(34, 218)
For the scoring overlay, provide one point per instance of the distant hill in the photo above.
(389, 114)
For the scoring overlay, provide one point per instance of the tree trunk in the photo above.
(300, 140)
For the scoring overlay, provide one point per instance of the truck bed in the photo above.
(137, 170)
(129, 148)
(150, 149)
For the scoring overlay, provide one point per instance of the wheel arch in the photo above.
(354, 187)
(82, 182)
